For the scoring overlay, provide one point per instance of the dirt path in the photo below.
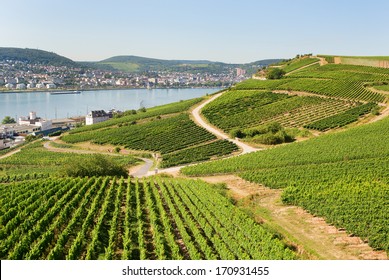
(298, 69)
(312, 235)
(215, 131)
(68, 150)
(142, 170)
(10, 154)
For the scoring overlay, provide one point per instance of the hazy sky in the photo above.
(220, 30)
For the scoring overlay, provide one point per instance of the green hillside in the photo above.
(339, 176)
(36, 57)
(132, 63)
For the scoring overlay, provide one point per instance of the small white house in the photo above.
(4, 143)
(21, 86)
(96, 117)
(51, 86)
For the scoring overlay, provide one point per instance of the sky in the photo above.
(238, 31)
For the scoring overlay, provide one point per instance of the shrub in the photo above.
(237, 133)
(96, 165)
(275, 73)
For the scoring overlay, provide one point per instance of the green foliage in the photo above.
(158, 130)
(29, 138)
(338, 81)
(268, 134)
(298, 63)
(33, 157)
(8, 120)
(241, 109)
(344, 118)
(36, 56)
(199, 153)
(157, 135)
(131, 116)
(96, 165)
(109, 218)
(275, 73)
(342, 177)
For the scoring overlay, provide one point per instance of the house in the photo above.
(36, 122)
(21, 86)
(4, 142)
(96, 117)
(51, 86)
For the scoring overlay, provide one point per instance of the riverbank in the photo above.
(50, 106)
(102, 88)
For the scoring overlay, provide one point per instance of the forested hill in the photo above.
(36, 57)
(130, 63)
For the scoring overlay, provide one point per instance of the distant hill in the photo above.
(132, 63)
(129, 63)
(36, 56)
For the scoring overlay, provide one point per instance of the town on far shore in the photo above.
(18, 76)
(22, 76)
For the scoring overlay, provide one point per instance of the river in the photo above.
(49, 106)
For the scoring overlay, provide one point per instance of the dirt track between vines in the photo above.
(312, 236)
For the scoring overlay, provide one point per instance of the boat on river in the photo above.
(66, 92)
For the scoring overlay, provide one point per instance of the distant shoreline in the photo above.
(100, 89)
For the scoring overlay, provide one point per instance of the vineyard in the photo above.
(133, 116)
(175, 136)
(217, 148)
(110, 218)
(244, 109)
(296, 64)
(341, 176)
(342, 119)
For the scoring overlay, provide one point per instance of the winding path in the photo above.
(200, 121)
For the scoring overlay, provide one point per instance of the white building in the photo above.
(96, 117)
(33, 120)
(51, 86)
(4, 142)
(21, 86)
(10, 86)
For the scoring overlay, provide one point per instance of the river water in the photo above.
(57, 106)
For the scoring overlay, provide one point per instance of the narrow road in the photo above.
(200, 121)
(9, 154)
(312, 235)
(143, 170)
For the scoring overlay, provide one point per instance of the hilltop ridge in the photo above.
(36, 56)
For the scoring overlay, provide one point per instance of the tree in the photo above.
(275, 73)
(7, 120)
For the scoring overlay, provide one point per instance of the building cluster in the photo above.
(30, 125)
(19, 75)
